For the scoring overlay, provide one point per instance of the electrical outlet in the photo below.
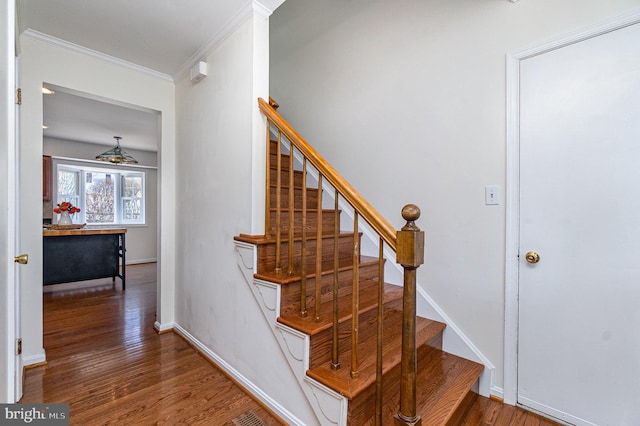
(491, 195)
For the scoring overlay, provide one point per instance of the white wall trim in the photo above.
(261, 8)
(267, 6)
(578, 35)
(102, 163)
(162, 328)
(216, 40)
(497, 392)
(94, 53)
(37, 358)
(9, 291)
(455, 341)
(235, 374)
(547, 411)
(140, 261)
(512, 237)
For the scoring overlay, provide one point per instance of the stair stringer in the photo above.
(330, 408)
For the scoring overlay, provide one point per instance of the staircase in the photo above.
(328, 289)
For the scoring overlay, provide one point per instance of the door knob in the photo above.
(532, 257)
(23, 259)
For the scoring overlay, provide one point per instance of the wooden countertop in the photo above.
(82, 231)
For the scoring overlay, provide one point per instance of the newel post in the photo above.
(410, 254)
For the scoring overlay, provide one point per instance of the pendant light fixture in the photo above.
(117, 155)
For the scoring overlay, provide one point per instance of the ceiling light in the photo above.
(45, 127)
(47, 91)
(117, 155)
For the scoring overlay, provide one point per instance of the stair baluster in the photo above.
(303, 244)
(291, 213)
(318, 316)
(278, 268)
(355, 303)
(380, 334)
(335, 360)
(267, 195)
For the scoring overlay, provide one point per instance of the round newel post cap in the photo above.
(410, 212)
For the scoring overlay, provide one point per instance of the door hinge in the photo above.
(18, 346)
(19, 96)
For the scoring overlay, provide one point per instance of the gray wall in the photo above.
(407, 100)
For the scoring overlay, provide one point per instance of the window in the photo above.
(99, 198)
(132, 197)
(105, 197)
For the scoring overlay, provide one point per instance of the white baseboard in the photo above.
(455, 341)
(497, 392)
(38, 358)
(162, 328)
(139, 261)
(246, 383)
(557, 415)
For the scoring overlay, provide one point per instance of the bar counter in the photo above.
(83, 254)
(82, 231)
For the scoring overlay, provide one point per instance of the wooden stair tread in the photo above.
(259, 240)
(285, 185)
(368, 301)
(284, 278)
(444, 381)
(341, 381)
(299, 210)
(443, 385)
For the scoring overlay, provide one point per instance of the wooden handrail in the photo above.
(408, 243)
(366, 211)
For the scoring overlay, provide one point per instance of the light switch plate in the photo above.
(491, 195)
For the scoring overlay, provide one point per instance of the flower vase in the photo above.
(65, 219)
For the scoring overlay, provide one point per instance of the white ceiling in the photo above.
(165, 36)
(77, 117)
(161, 35)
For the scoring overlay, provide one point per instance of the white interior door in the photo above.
(579, 306)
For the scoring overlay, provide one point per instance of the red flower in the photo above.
(66, 206)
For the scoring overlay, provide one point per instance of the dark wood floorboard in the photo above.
(105, 360)
(486, 412)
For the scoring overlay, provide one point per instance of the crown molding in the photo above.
(262, 8)
(227, 29)
(36, 35)
(265, 8)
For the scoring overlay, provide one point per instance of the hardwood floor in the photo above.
(107, 362)
(488, 412)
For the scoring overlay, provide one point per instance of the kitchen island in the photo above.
(83, 254)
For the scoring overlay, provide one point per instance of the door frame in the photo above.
(8, 363)
(512, 246)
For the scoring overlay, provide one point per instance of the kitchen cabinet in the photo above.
(46, 178)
